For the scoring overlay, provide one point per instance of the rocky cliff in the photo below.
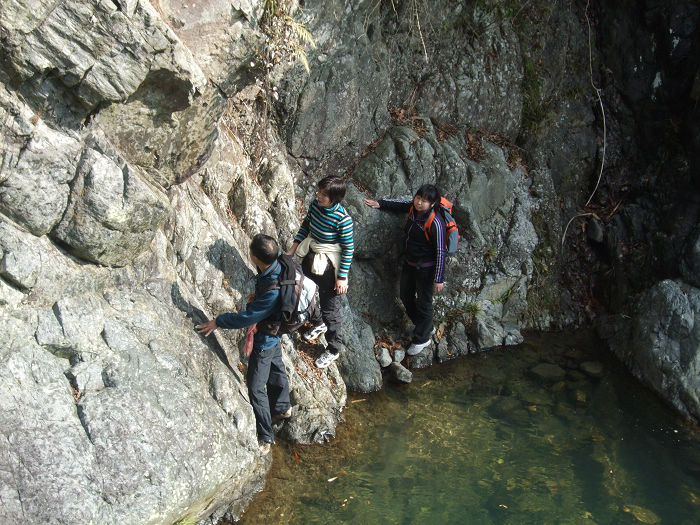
(144, 143)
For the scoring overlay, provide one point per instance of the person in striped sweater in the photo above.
(424, 259)
(325, 242)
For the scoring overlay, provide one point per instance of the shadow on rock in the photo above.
(199, 317)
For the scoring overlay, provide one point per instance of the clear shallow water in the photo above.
(482, 440)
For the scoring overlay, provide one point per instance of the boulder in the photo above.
(660, 342)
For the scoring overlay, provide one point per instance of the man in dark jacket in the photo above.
(268, 387)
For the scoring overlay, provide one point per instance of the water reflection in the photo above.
(553, 431)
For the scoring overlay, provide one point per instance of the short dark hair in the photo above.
(264, 248)
(334, 187)
(429, 192)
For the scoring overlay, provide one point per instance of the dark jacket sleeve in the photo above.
(260, 308)
(438, 240)
(395, 205)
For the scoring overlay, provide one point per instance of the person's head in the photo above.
(330, 191)
(263, 248)
(425, 198)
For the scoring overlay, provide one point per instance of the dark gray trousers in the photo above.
(416, 291)
(268, 388)
(329, 311)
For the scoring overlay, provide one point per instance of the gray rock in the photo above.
(38, 163)
(660, 343)
(454, 344)
(548, 372)
(400, 373)
(317, 396)
(48, 40)
(113, 214)
(399, 355)
(533, 397)
(593, 368)
(20, 266)
(342, 89)
(384, 358)
(513, 335)
(9, 295)
(690, 262)
(487, 330)
(120, 410)
(222, 38)
(358, 364)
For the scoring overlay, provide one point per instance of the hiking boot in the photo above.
(264, 447)
(326, 359)
(416, 349)
(284, 415)
(315, 332)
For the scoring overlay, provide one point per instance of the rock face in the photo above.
(644, 261)
(660, 343)
(144, 143)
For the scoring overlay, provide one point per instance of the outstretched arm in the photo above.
(260, 308)
(395, 205)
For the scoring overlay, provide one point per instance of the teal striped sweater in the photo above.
(330, 226)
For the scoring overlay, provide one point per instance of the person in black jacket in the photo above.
(424, 259)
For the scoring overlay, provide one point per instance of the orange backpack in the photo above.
(451, 230)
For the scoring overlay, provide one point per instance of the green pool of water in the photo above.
(485, 440)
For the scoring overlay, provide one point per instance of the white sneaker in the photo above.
(284, 415)
(315, 332)
(415, 349)
(264, 447)
(326, 359)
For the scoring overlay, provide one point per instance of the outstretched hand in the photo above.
(438, 287)
(372, 203)
(207, 328)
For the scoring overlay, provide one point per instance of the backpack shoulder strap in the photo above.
(428, 224)
(273, 286)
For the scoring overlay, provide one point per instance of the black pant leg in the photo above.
(407, 291)
(257, 376)
(330, 311)
(329, 300)
(277, 384)
(315, 317)
(424, 305)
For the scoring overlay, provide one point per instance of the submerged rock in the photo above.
(400, 373)
(548, 372)
(593, 368)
